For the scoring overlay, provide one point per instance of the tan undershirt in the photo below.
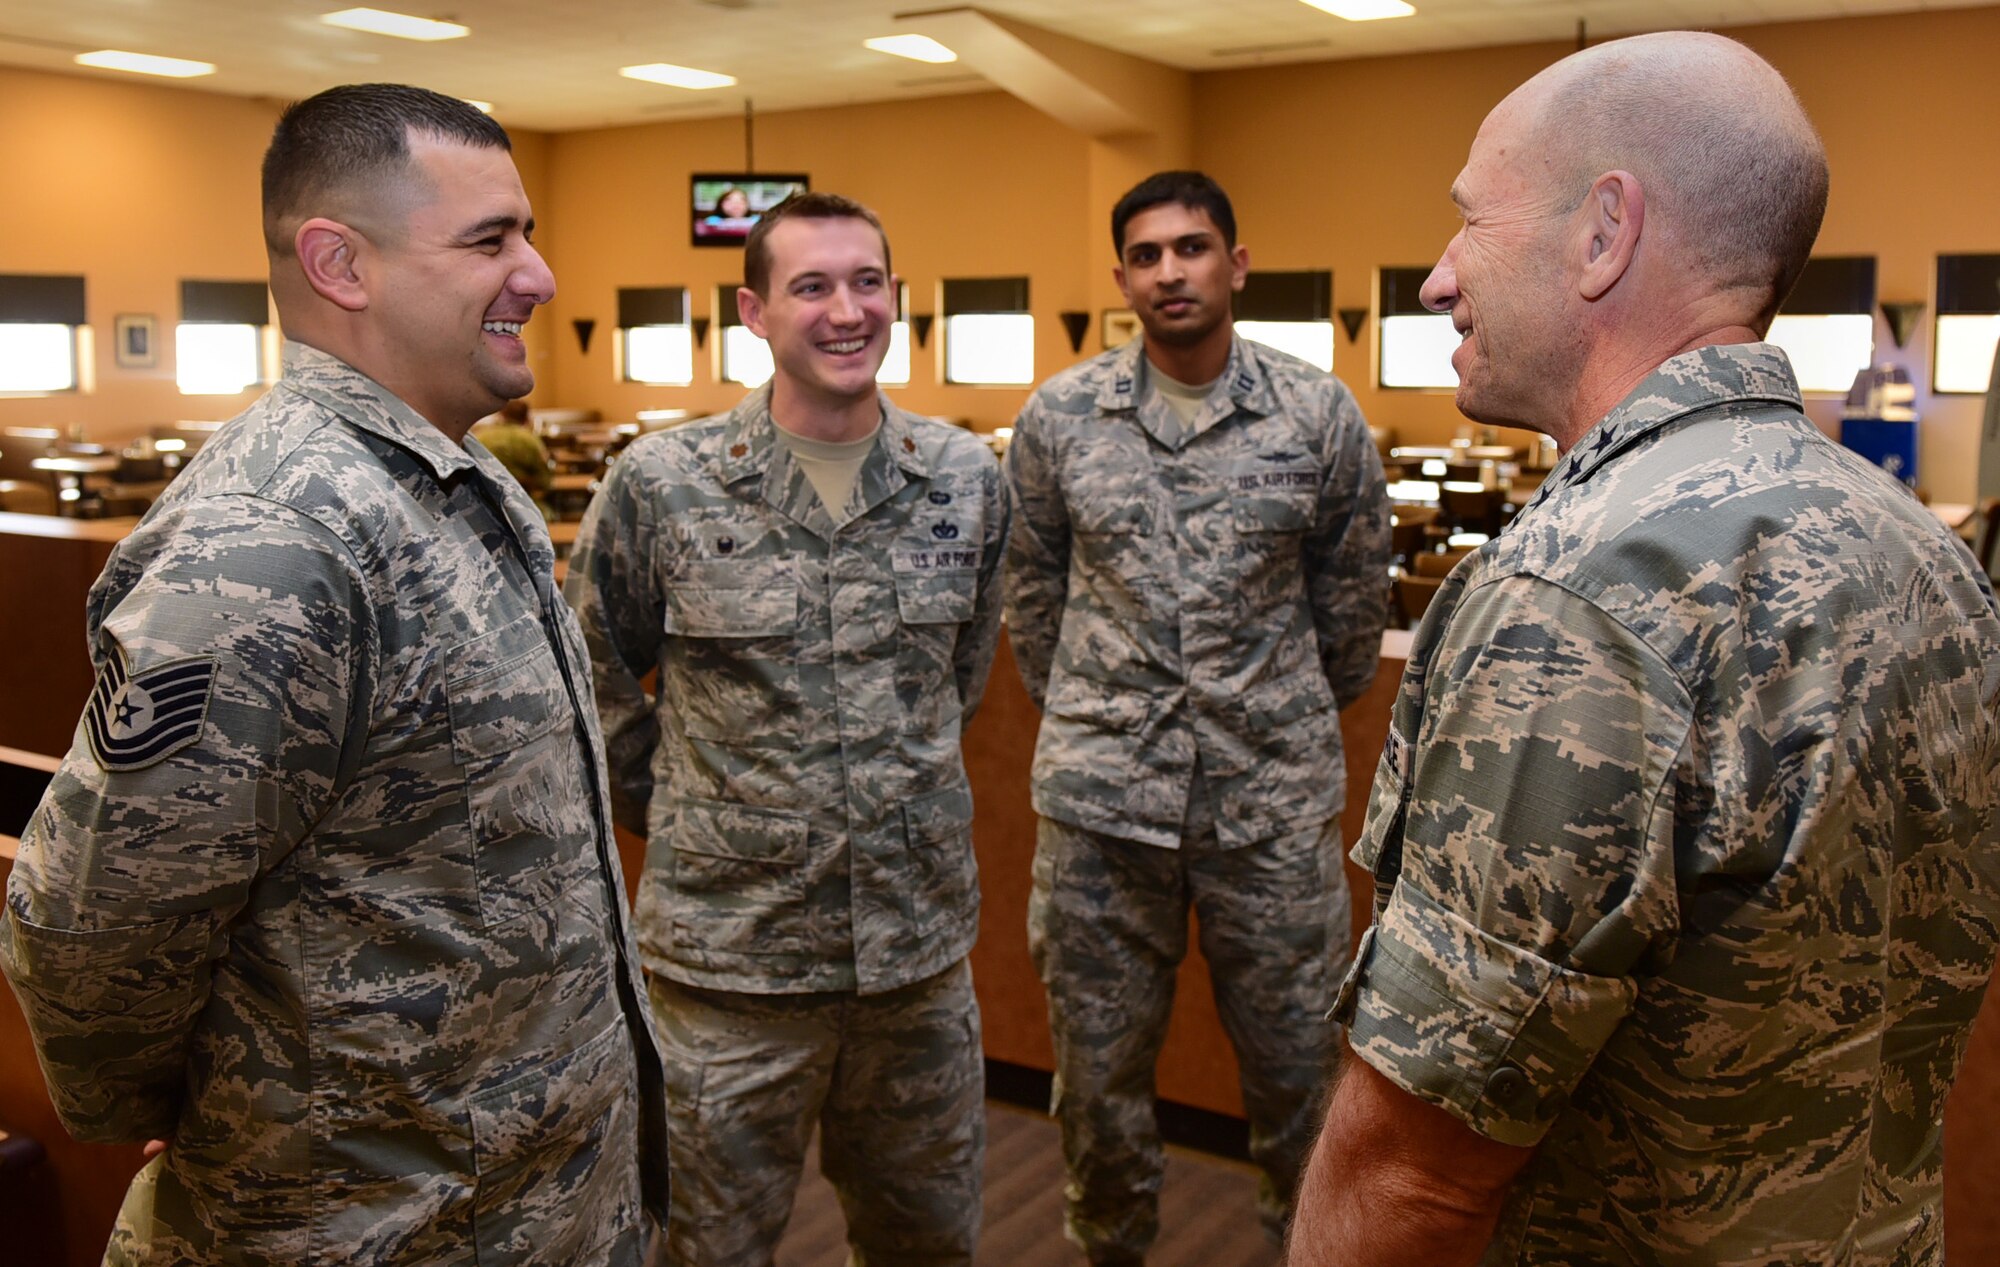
(1185, 398)
(831, 466)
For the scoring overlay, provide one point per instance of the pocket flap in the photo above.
(725, 829)
(935, 598)
(1115, 708)
(1272, 704)
(938, 817)
(503, 691)
(733, 600)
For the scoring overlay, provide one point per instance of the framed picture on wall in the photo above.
(1121, 326)
(133, 335)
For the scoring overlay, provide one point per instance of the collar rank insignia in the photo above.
(909, 445)
(137, 720)
(738, 449)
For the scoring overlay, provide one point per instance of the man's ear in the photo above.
(1612, 217)
(750, 307)
(1239, 266)
(1118, 275)
(328, 254)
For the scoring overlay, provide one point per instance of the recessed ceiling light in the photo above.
(400, 25)
(1363, 10)
(918, 48)
(484, 107)
(677, 76)
(145, 63)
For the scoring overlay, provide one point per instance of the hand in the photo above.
(154, 1147)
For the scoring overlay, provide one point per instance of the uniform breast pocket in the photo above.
(936, 591)
(733, 660)
(514, 735)
(1269, 498)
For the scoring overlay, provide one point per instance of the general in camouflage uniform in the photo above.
(325, 893)
(1684, 838)
(1190, 602)
(810, 893)
(1685, 841)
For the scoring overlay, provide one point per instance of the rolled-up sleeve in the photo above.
(1536, 882)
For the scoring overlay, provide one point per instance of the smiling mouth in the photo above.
(844, 347)
(509, 328)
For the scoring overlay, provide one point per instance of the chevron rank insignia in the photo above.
(134, 721)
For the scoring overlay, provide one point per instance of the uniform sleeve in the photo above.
(1037, 586)
(1537, 871)
(972, 660)
(1347, 556)
(616, 595)
(232, 678)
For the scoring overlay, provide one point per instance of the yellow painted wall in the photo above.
(1340, 165)
(967, 186)
(1346, 165)
(139, 186)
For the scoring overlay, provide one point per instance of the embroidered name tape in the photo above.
(137, 720)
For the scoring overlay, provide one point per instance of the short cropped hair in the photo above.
(354, 135)
(802, 206)
(1742, 177)
(1194, 190)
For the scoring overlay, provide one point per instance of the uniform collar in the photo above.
(1719, 374)
(749, 438)
(1246, 384)
(747, 447)
(332, 383)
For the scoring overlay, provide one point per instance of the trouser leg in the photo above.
(1107, 927)
(903, 1134)
(1273, 920)
(746, 1076)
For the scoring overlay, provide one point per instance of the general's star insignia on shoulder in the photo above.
(137, 720)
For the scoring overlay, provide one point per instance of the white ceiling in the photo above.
(553, 66)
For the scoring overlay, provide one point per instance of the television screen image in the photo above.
(726, 204)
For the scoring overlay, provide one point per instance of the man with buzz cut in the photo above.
(1195, 588)
(324, 900)
(815, 579)
(1686, 839)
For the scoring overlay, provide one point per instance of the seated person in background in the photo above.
(816, 578)
(1686, 838)
(509, 438)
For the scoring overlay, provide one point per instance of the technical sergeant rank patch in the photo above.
(136, 721)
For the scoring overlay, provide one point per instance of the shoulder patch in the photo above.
(136, 721)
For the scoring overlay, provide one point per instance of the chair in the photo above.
(1406, 530)
(1438, 564)
(1472, 507)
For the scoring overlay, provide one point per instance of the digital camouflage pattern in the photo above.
(798, 777)
(1685, 841)
(1218, 589)
(1108, 928)
(1189, 605)
(359, 949)
(895, 1080)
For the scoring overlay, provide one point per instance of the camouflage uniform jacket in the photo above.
(325, 888)
(1214, 589)
(1685, 841)
(798, 776)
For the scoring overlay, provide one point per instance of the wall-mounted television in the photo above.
(726, 204)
